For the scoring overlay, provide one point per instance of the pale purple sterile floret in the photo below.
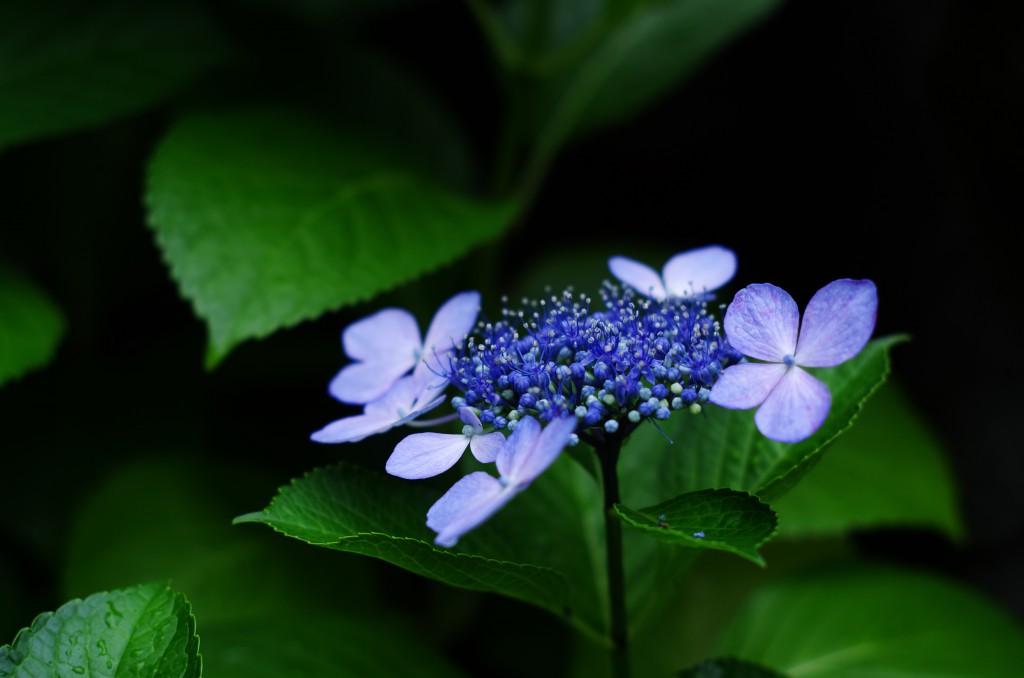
(408, 398)
(689, 273)
(527, 453)
(424, 455)
(386, 345)
(763, 322)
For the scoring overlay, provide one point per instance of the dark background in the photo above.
(841, 139)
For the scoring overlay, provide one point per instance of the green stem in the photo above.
(609, 456)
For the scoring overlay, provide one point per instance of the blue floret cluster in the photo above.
(631, 359)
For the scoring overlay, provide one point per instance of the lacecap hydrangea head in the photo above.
(611, 363)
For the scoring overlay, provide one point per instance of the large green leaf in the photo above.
(724, 520)
(270, 217)
(30, 326)
(728, 668)
(269, 607)
(889, 469)
(347, 508)
(66, 65)
(722, 448)
(592, 63)
(874, 621)
(145, 630)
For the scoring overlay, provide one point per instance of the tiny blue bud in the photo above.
(677, 403)
(468, 431)
(633, 416)
(587, 391)
(593, 417)
(611, 426)
(472, 396)
(645, 409)
(698, 535)
(574, 440)
(662, 413)
(527, 400)
(689, 396)
(578, 371)
(676, 388)
(513, 415)
(645, 394)
(458, 402)
(580, 411)
(673, 374)
(487, 417)
(512, 425)
(703, 394)
(660, 391)
(500, 422)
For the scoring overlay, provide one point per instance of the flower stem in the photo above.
(608, 453)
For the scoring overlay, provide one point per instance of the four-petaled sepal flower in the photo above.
(763, 322)
(386, 345)
(689, 273)
(476, 497)
(424, 455)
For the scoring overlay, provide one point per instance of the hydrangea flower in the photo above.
(763, 322)
(386, 345)
(408, 398)
(424, 455)
(632, 360)
(476, 497)
(686, 274)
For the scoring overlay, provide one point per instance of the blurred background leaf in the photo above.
(31, 326)
(888, 470)
(862, 620)
(266, 604)
(65, 65)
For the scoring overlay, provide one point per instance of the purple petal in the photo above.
(519, 443)
(468, 416)
(425, 455)
(795, 409)
(530, 462)
(452, 322)
(387, 343)
(353, 429)
(838, 321)
(699, 270)
(762, 322)
(359, 383)
(485, 448)
(469, 502)
(640, 277)
(746, 385)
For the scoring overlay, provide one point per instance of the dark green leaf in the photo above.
(146, 630)
(30, 326)
(724, 520)
(728, 668)
(67, 65)
(269, 607)
(874, 621)
(347, 508)
(889, 469)
(722, 448)
(623, 59)
(268, 218)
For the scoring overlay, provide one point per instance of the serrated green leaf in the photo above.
(347, 508)
(728, 667)
(67, 65)
(145, 630)
(888, 470)
(724, 520)
(270, 217)
(31, 326)
(874, 621)
(722, 448)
